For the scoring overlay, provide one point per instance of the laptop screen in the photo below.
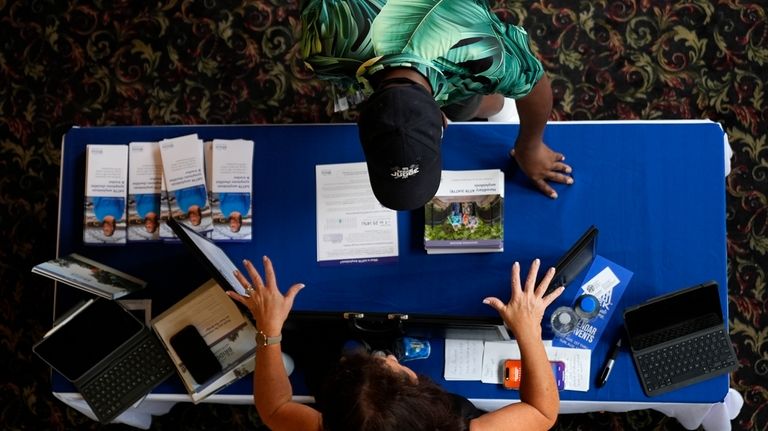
(697, 303)
(87, 338)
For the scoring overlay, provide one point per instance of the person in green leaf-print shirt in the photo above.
(459, 51)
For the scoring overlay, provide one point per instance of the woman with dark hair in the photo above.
(369, 392)
(377, 393)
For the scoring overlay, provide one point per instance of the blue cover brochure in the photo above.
(606, 281)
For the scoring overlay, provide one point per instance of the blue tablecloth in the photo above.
(655, 191)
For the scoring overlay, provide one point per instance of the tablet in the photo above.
(575, 260)
(209, 254)
(86, 337)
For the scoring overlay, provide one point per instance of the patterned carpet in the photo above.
(233, 61)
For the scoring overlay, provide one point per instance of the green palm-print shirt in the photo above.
(461, 46)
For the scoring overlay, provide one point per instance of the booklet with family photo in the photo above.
(90, 276)
(209, 340)
(106, 181)
(184, 173)
(231, 183)
(467, 213)
(145, 169)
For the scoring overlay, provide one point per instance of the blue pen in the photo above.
(609, 364)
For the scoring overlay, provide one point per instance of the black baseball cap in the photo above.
(401, 129)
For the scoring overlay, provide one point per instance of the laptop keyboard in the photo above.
(134, 375)
(685, 360)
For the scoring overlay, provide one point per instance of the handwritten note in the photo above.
(463, 359)
(577, 363)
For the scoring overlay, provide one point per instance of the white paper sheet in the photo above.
(577, 363)
(352, 226)
(463, 359)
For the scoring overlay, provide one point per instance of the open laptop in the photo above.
(679, 339)
(110, 356)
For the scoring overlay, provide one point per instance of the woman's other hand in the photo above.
(525, 309)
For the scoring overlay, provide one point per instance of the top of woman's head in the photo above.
(363, 394)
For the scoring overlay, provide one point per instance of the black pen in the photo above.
(609, 364)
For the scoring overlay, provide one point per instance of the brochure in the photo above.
(184, 172)
(166, 233)
(467, 213)
(232, 168)
(352, 226)
(106, 181)
(606, 281)
(226, 331)
(90, 276)
(208, 159)
(144, 176)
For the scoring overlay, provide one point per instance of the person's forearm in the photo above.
(271, 387)
(539, 402)
(534, 110)
(537, 387)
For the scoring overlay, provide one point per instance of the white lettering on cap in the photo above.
(403, 173)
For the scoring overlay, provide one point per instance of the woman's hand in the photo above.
(525, 309)
(265, 302)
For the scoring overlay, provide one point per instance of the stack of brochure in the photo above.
(133, 190)
(467, 213)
